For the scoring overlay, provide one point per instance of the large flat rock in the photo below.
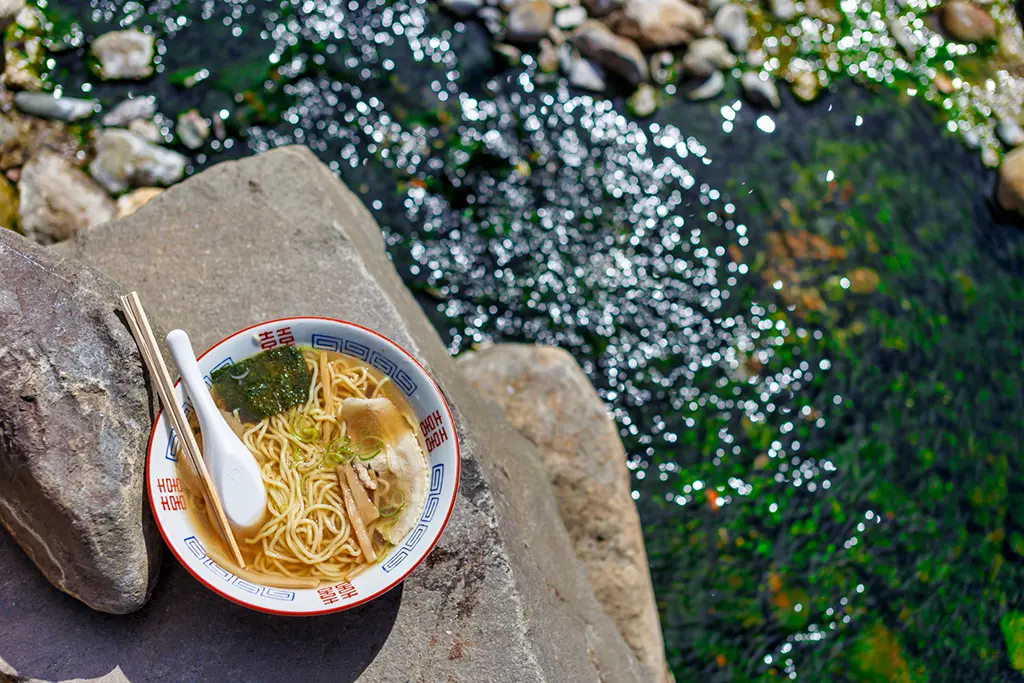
(501, 598)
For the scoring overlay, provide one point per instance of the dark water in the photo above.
(808, 323)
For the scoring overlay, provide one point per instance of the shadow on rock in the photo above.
(184, 633)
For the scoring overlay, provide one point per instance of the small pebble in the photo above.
(1009, 131)
(709, 88)
(760, 89)
(192, 129)
(586, 74)
(643, 102)
(570, 17)
(731, 24)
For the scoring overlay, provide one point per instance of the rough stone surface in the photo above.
(620, 55)
(74, 422)
(656, 24)
(501, 598)
(58, 200)
(130, 203)
(1010, 187)
(123, 160)
(124, 54)
(545, 395)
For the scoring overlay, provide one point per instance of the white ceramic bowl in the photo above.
(438, 428)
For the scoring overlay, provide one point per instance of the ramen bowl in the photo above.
(179, 528)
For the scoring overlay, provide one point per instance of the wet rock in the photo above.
(58, 200)
(1009, 131)
(129, 110)
(863, 280)
(570, 17)
(462, 8)
(784, 10)
(24, 62)
(602, 8)
(47, 106)
(8, 205)
(547, 58)
(902, 37)
(494, 21)
(760, 89)
(705, 56)
(147, 130)
(731, 24)
(130, 203)
(642, 102)
(9, 10)
(125, 160)
(529, 21)
(709, 88)
(124, 55)
(502, 589)
(587, 74)
(663, 67)
(806, 86)
(616, 53)
(512, 54)
(1010, 188)
(655, 24)
(967, 22)
(544, 393)
(192, 129)
(75, 415)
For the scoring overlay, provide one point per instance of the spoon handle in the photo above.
(185, 358)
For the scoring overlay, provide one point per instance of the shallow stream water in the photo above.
(807, 323)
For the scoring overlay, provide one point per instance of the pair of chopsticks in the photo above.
(143, 334)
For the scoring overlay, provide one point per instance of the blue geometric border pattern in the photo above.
(367, 355)
(433, 501)
(193, 544)
(172, 444)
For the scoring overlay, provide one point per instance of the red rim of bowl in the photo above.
(382, 591)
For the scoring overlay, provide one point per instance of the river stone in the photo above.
(123, 160)
(529, 21)
(545, 395)
(620, 55)
(47, 106)
(74, 422)
(129, 110)
(58, 200)
(501, 598)
(656, 24)
(1010, 187)
(967, 22)
(9, 11)
(124, 55)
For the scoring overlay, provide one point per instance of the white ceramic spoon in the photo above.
(233, 469)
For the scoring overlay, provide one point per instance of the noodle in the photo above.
(307, 533)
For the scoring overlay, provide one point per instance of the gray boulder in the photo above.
(74, 423)
(501, 598)
(544, 394)
(58, 200)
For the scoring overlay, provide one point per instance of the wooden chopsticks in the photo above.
(143, 334)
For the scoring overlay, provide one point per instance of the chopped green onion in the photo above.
(394, 505)
(305, 429)
(369, 447)
(338, 451)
